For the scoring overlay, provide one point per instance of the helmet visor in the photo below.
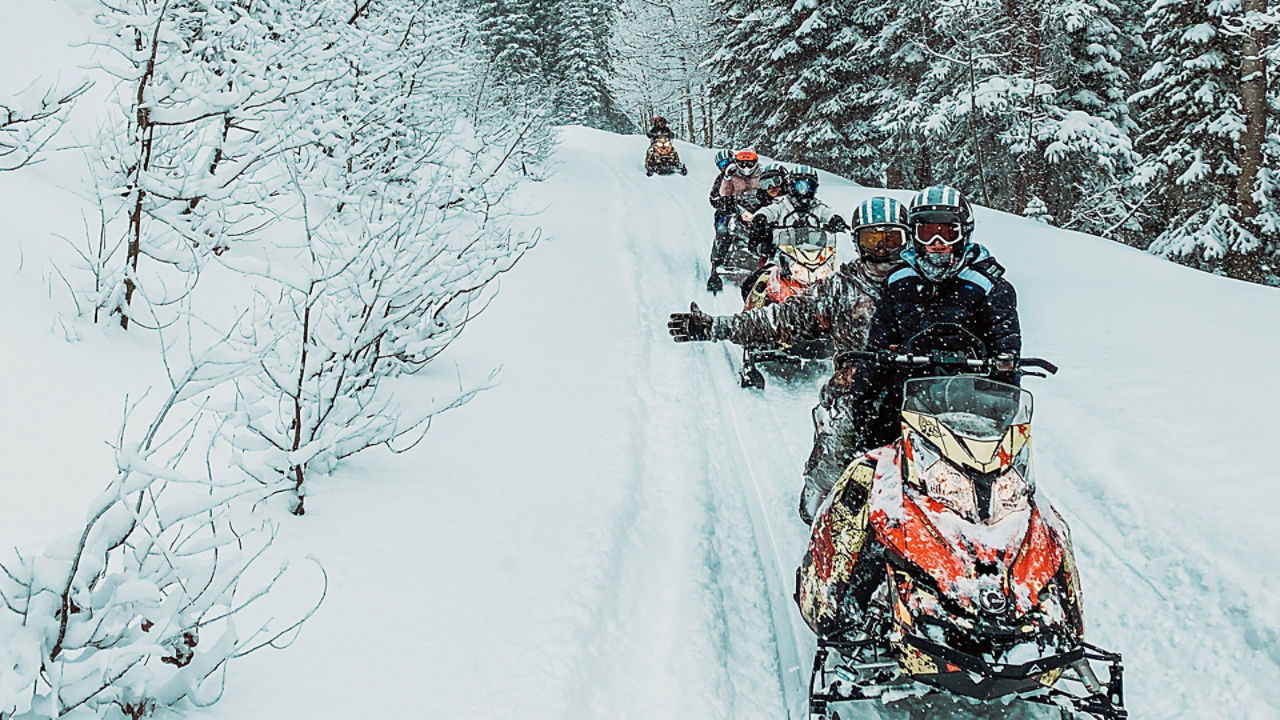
(803, 187)
(928, 233)
(882, 238)
(774, 180)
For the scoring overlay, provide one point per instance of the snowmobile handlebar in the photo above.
(1037, 367)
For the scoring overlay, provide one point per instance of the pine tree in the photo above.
(743, 89)
(508, 29)
(578, 63)
(553, 54)
(1192, 111)
(791, 81)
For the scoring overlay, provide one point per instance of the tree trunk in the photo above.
(893, 177)
(1239, 262)
(1253, 102)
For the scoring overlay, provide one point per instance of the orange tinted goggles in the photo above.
(889, 238)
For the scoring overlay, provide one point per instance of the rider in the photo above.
(772, 180)
(724, 209)
(838, 307)
(658, 128)
(743, 174)
(800, 206)
(948, 278)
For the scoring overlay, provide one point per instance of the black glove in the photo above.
(694, 325)
(836, 224)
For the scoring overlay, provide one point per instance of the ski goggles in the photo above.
(772, 181)
(746, 164)
(929, 233)
(887, 238)
(803, 187)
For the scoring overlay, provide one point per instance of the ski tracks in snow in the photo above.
(691, 620)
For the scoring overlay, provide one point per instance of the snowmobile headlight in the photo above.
(802, 274)
(951, 488)
(1009, 494)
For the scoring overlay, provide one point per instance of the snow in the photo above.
(611, 529)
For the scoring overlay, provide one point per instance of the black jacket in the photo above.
(658, 131)
(979, 299)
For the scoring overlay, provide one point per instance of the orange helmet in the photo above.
(746, 155)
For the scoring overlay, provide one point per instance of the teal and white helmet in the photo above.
(773, 176)
(943, 204)
(802, 184)
(942, 225)
(723, 158)
(880, 229)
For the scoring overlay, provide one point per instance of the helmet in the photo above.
(723, 158)
(773, 176)
(942, 215)
(658, 120)
(803, 184)
(746, 160)
(880, 229)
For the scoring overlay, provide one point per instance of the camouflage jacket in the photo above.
(838, 307)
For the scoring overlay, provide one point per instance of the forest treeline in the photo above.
(1150, 122)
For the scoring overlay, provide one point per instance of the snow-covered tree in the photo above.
(31, 118)
(554, 53)
(200, 87)
(144, 607)
(791, 81)
(397, 236)
(661, 46)
(1202, 143)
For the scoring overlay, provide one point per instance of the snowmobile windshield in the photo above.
(970, 406)
(803, 235)
(808, 264)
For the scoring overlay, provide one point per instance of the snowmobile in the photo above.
(974, 586)
(662, 158)
(745, 258)
(805, 256)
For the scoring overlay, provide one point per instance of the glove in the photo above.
(694, 325)
(836, 224)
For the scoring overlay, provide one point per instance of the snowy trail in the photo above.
(611, 531)
(1152, 592)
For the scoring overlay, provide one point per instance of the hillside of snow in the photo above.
(610, 531)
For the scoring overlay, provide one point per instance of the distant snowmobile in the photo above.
(662, 158)
(934, 565)
(805, 256)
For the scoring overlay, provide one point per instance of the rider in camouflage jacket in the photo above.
(839, 307)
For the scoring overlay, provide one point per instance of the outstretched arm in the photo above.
(802, 317)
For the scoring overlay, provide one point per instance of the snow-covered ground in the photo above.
(611, 532)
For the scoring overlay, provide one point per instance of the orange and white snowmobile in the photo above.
(662, 158)
(806, 256)
(934, 565)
